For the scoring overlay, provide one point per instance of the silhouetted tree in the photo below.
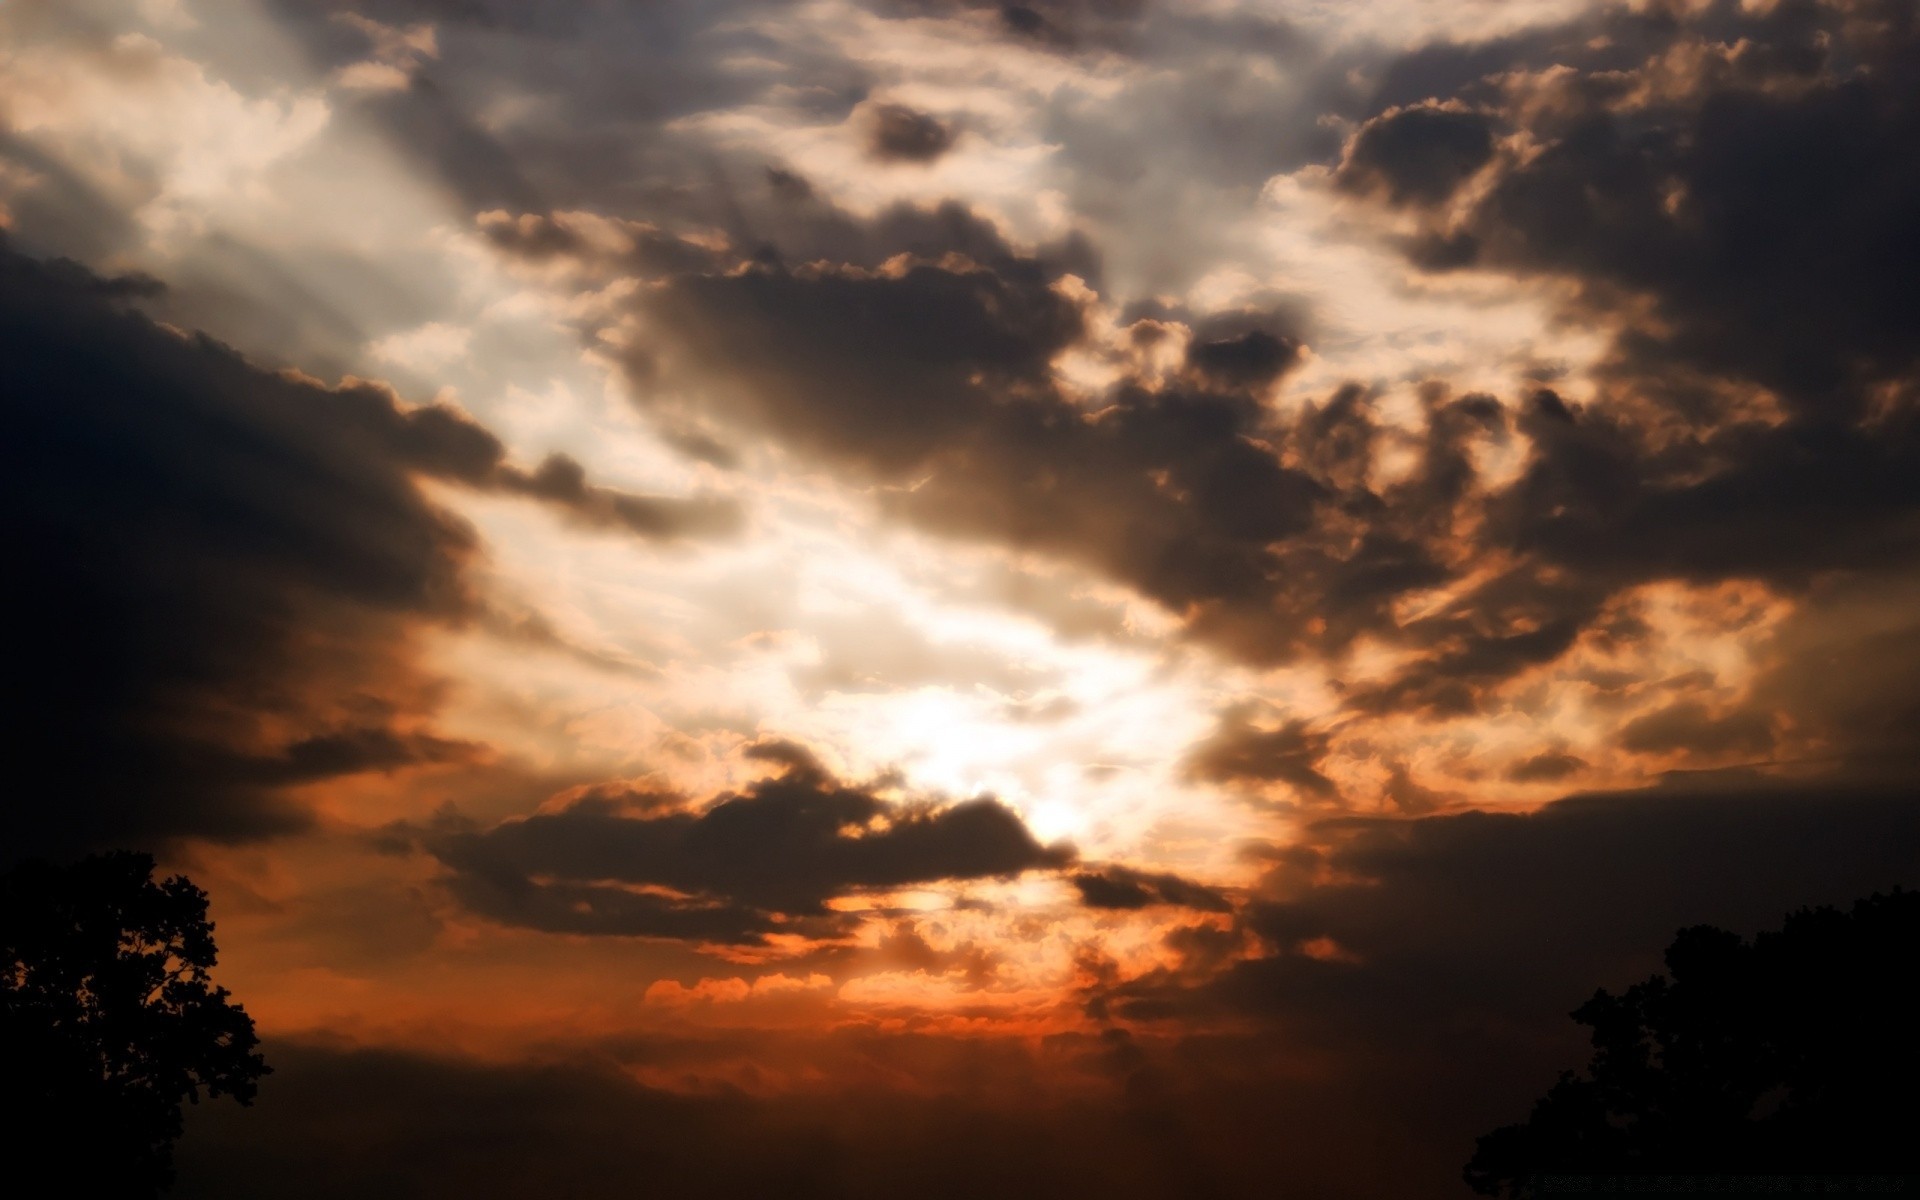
(108, 1022)
(1799, 1051)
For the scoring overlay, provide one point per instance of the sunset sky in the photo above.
(914, 598)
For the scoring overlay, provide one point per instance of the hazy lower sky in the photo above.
(923, 597)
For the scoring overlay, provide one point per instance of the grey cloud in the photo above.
(745, 865)
(606, 87)
(1062, 25)
(1239, 751)
(932, 379)
(562, 481)
(1115, 887)
(1417, 155)
(1687, 724)
(1252, 358)
(1756, 201)
(474, 163)
(1717, 187)
(1549, 766)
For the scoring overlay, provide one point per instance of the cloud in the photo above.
(1125, 888)
(1549, 766)
(933, 379)
(223, 568)
(1253, 358)
(1592, 886)
(1716, 191)
(930, 376)
(1599, 156)
(567, 105)
(1417, 155)
(743, 866)
(1064, 26)
(1727, 198)
(919, 355)
(1688, 725)
(898, 134)
(1240, 751)
(562, 481)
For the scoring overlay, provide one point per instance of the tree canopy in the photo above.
(1796, 1052)
(109, 1021)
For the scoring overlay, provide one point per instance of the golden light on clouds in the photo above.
(1013, 554)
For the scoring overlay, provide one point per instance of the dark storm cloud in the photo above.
(763, 860)
(896, 133)
(352, 751)
(217, 568)
(1518, 620)
(824, 357)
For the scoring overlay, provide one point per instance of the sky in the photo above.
(923, 597)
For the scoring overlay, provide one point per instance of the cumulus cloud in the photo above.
(1717, 189)
(1739, 179)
